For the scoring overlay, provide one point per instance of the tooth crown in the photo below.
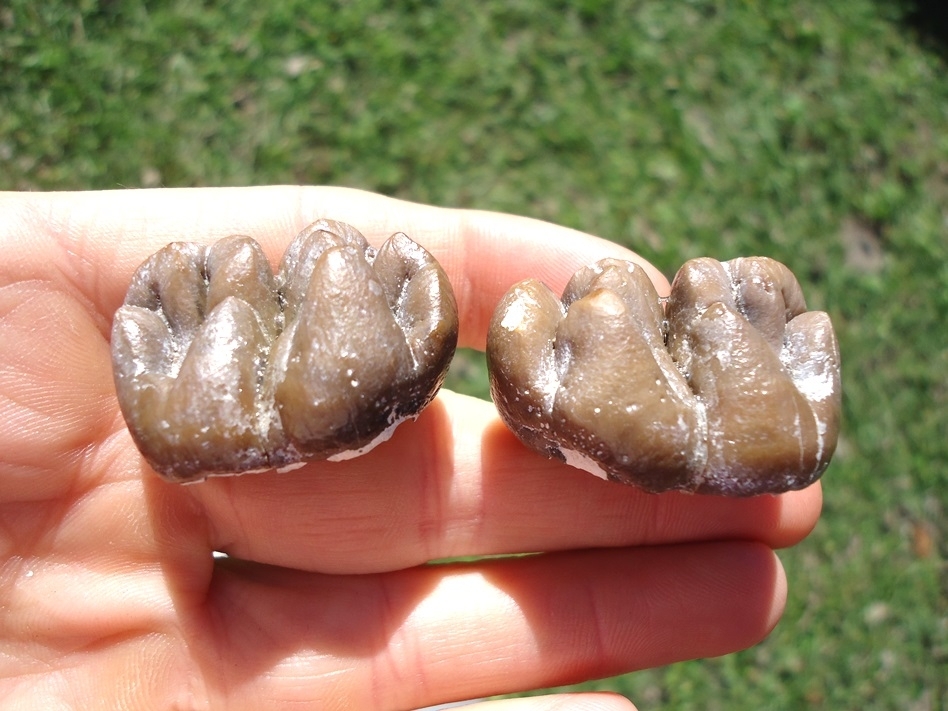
(221, 367)
(733, 390)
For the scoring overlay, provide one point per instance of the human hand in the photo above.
(109, 593)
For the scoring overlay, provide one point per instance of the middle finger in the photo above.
(457, 483)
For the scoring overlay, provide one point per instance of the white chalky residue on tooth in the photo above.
(513, 319)
(813, 377)
(579, 460)
(289, 467)
(814, 381)
(820, 437)
(699, 455)
(384, 436)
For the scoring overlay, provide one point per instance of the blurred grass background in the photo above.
(812, 132)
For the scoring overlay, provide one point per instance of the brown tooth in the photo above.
(211, 409)
(761, 431)
(520, 361)
(145, 363)
(736, 393)
(728, 324)
(142, 342)
(210, 381)
(616, 406)
(397, 262)
(628, 282)
(767, 294)
(347, 354)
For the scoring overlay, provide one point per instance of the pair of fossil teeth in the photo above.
(222, 367)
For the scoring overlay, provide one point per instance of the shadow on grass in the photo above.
(929, 20)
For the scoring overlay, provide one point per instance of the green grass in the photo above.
(813, 132)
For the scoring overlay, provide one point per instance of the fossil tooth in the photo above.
(734, 391)
(221, 367)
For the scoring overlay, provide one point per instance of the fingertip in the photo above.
(799, 514)
(752, 597)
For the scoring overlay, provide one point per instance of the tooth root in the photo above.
(348, 359)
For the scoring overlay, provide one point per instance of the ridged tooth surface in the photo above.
(615, 402)
(222, 367)
(735, 390)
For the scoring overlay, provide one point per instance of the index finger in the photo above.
(97, 240)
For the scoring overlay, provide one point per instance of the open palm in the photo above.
(110, 595)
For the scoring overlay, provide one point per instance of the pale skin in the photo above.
(110, 596)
